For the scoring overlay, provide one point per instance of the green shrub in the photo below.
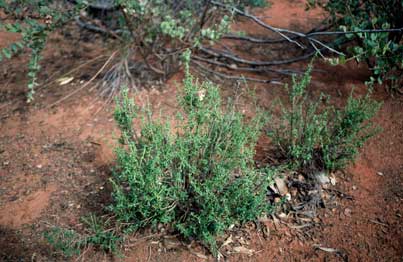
(311, 136)
(197, 175)
(66, 241)
(70, 243)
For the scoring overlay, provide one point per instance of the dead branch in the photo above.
(235, 78)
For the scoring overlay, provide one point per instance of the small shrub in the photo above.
(66, 241)
(198, 176)
(70, 243)
(312, 137)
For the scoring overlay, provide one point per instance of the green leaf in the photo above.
(7, 53)
(14, 48)
(342, 60)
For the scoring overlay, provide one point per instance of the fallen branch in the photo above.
(235, 78)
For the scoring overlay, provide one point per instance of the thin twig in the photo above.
(216, 53)
(235, 78)
(86, 84)
(245, 69)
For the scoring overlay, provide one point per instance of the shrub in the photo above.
(198, 175)
(311, 137)
(70, 243)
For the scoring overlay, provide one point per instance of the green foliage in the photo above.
(350, 128)
(311, 136)
(382, 51)
(197, 175)
(70, 243)
(66, 241)
(100, 236)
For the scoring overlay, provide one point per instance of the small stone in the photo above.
(347, 212)
(333, 180)
(6, 163)
(354, 188)
(322, 178)
(282, 216)
(281, 186)
(39, 166)
(379, 173)
(288, 197)
(101, 187)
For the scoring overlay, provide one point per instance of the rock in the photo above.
(288, 197)
(281, 186)
(347, 212)
(282, 216)
(322, 178)
(274, 189)
(333, 180)
(379, 173)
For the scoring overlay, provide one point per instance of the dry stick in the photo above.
(308, 35)
(370, 31)
(257, 40)
(246, 69)
(86, 84)
(325, 46)
(272, 40)
(256, 63)
(235, 78)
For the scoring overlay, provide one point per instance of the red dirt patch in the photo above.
(17, 213)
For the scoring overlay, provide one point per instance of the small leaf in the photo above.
(64, 80)
(7, 53)
(20, 45)
(342, 60)
(14, 48)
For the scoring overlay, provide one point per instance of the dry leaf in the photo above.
(227, 241)
(244, 250)
(64, 80)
